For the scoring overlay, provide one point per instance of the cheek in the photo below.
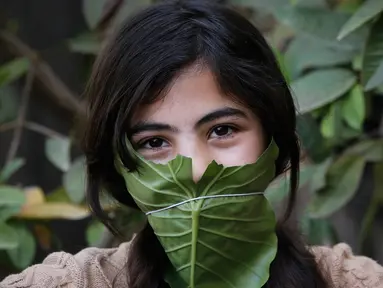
(247, 151)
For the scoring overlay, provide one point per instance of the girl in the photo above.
(189, 120)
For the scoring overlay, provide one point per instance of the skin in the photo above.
(196, 120)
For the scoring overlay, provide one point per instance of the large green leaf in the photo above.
(367, 11)
(8, 237)
(376, 79)
(74, 180)
(216, 242)
(373, 52)
(353, 109)
(305, 52)
(343, 181)
(319, 88)
(13, 70)
(57, 150)
(10, 168)
(23, 255)
(321, 24)
(11, 196)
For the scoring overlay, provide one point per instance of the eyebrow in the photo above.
(210, 117)
(151, 126)
(220, 113)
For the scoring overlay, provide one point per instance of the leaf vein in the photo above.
(234, 238)
(216, 274)
(229, 258)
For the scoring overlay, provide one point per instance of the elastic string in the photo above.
(203, 197)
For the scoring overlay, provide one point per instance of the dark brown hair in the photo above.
(137, 66)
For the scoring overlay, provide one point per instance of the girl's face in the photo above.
(196, 120)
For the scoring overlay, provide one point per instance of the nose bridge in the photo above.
(200, 157)
(200, 162)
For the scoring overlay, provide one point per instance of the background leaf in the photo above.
(321, 24)
(320, 232)
(128, 8)
(343, 181)
(23, 255)
(57, 151)
(305, 52)
(319, 88)
(371, 150)
(311, 138)
(311, 3)
(330, 122)
(353, 108)
(34, 196)
(7, 212)
(367, 11)
(74, 181)
(8, 237)
(373, 51)
(11, 168)
(278, 190)
(92, 10)
(9, 102)
(49, 211)
(376, 79)
(265, 4)
(13, 70)
(94, 233)
(318, 176)
(375, 203)
(85, 44)
(58, 195)
(11, 196)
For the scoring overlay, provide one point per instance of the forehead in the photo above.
(192, 95)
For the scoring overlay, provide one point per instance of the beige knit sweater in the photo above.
(99, 268)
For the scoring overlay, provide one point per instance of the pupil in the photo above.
(221, 131)
(155, 143)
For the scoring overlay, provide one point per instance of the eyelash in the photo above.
(234, 129)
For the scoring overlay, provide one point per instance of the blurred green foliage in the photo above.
(331, 53)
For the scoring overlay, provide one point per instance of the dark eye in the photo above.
(221, 131)
(154, 143)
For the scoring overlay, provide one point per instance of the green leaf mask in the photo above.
(219, 232)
